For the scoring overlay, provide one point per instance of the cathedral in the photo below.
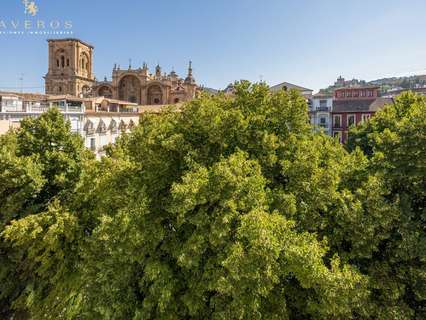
(71, 72)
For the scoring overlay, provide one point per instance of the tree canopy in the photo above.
(231, 208)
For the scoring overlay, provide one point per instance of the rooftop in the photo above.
(370, 105)
(288, 85)
(70, 39)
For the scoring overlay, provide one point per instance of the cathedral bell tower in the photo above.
(70, 68)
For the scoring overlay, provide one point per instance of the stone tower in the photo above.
(70, 68)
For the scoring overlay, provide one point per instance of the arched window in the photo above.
(68, 62)
(62, 61)
(57, 63)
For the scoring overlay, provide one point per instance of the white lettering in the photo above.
(55, 24)
(15, 24)
(68, 24)
(40, 24)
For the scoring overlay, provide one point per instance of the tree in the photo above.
(202, 220)
(232, 208)
(40, 163)
(395, 140)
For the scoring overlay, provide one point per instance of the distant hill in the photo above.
(409, 82)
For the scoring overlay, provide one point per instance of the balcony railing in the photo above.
(41, 108)
(323, 109)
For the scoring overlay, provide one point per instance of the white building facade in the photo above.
(320, 112)
(16, 107)
(99, 121)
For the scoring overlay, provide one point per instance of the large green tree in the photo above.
(395, 140)
(40, 164)
(231, 208)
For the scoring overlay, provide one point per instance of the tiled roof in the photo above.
(289, 86)
(360, 105)
(210, 90)
(71, 39)
(26, 96)
(323, 95)
(110, 100)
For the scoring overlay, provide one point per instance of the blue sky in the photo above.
(306, 42)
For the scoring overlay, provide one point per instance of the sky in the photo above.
(305, 42)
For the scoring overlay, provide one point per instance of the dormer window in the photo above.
(102, 127)
(89, 128)
(113, 126)
(122, 126)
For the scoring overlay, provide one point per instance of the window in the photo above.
(351, 120)
(356, 93)
(68, 62)
(92, 144)
(363, 93)
(337, 121)
(60, 89)
(323, 120)
(365, 117)
(323, 104)
(57, 63)
(62, 61)
(370, 93)
(176, 100)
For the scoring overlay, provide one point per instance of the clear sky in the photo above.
(306, 42)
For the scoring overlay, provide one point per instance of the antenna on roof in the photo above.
(21, 83)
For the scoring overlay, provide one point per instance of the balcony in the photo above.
(11, 107)
(37, 108)
(71, 106)
(325, 109)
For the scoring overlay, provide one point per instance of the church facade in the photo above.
(71, 72)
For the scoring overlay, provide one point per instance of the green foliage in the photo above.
(395, 139)
(230, 209)
(39, 163)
